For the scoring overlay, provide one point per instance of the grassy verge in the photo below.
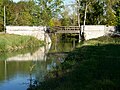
(10, 42)
(93, 66)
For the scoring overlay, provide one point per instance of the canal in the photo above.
(21, 69)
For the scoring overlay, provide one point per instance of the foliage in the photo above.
(49, 9)
(30, 12)
(117, 9)
(65, 20)
(54, 22)
(95, 14)
(99, 12)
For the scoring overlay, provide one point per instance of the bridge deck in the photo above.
(66, 29)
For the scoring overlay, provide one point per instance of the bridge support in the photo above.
(80, 37)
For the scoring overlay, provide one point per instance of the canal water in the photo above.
(21, 69)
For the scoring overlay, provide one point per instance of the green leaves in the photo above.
(49, 9)
(117, 12)
(99, 12)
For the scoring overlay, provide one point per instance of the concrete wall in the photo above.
(36, 31)
(95, 31)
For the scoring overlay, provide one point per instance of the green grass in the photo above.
(95, 65)
(9, 42)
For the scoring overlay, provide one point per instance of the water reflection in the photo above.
(24, 68)
(18, 68)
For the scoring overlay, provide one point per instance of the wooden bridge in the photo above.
(66, 29)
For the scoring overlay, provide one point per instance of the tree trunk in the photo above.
(78, 14)
(17, 14)
(84, 18)
(4, 19)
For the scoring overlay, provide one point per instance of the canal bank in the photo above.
(10, 42)
(93, 65)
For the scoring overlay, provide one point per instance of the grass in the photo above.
(95, 65)
(9, 42)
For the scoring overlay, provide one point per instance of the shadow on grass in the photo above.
(88, 68)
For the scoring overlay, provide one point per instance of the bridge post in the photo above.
(80, 34)
(79, 37)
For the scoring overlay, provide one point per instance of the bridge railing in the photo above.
(58, 28)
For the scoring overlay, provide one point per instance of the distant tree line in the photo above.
(55, 13)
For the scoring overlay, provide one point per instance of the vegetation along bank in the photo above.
(94, 65)
(9, 42)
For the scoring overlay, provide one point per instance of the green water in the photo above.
(19, 69)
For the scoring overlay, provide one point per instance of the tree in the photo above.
(1, 16)
(85, 4)
(49, 9)
(117, 12)
(54, 22)
(21, 10)
(30, 12)
(95, 15)
(65, 20)
(21, 13)
(109, 12)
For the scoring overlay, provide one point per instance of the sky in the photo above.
(66, 1)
